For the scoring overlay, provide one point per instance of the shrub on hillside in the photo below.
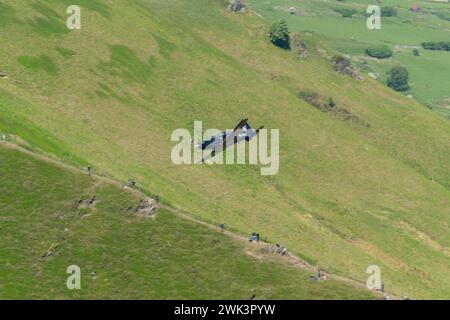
(443, 16)
(379, 52)
(398, 78)
(331, 103)
(346, 12)
(388, 11)
(443, 45)
(279, 34)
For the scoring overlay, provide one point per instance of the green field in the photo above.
(429, 72)
(347, 196)
(122, 255)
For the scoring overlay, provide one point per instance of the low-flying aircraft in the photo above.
(243, 131)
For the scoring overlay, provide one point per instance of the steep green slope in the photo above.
(347, 196)
(122, 255)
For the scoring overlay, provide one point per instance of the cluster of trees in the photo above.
(398, 78)
(443, 45)
(379, 52)
(279, 34)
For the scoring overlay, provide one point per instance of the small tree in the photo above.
(416, 52)
(331, 103)
(398, 78)
(279, 34)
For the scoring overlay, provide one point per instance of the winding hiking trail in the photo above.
(258, 250)
(289, 258)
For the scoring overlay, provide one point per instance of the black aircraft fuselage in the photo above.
(243, 131)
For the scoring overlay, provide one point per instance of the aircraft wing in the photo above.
(241, 124)
(232, 137)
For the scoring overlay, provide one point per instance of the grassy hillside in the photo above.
(122, 255)
(347, 195)
(429, 72)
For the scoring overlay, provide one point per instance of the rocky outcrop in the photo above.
(343, 66)
(147, 207)
(237, 6)
(292, 10)
(298, 46)
(329, 106)
(86, 203)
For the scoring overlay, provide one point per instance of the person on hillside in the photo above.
(4, 137)
(316, 276)
(322, 275)
(89, 168)
(319, 273)
(222, 227)
(280, 249)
